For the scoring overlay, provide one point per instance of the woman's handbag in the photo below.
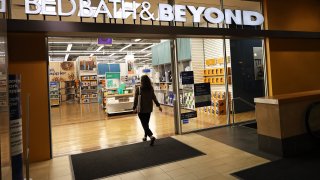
(139, 101)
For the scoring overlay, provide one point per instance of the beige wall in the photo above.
(293, 64)
(31, 63)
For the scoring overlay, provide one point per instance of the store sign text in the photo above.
(123, 10)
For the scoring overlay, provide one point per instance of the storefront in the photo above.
(196, 71)
(207, 65)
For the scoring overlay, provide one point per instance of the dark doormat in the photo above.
(252, 125)
(306, 167)
(107, 162)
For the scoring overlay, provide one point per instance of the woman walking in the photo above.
(143, 98)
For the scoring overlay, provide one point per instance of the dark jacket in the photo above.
(147, 96)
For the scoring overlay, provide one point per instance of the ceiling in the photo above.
(69, 49)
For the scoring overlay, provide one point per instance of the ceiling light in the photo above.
(147, 47)
(129, 45)
(112, 54)
(91, 55)
(147, 55)
(66, 57)
(137, 40)
(99, 48)
(69, 47)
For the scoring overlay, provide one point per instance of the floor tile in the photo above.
(177, 172)
(151, 171)
(133, 175)
(162, 176)
(170, 167)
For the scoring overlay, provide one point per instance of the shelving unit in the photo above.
(118, 103)
(88, 88)
(68, 91)
(54, 94)
(161, 61)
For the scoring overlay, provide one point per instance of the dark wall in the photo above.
(243, 76)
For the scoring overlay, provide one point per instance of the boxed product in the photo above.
(220, 112)
(220, 103)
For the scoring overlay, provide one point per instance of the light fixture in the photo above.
(112, 54)
(91, 55)
(99, 48)
(137, 40)
(129, 45)
(129, 58)
(147, 48)
(66, 57)
(147, 55)
(69, 47)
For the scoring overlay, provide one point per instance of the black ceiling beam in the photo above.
(59, 28)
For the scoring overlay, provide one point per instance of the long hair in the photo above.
(146, 83)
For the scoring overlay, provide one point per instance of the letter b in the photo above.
(166, 12)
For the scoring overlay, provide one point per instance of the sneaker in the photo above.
(144, 139)
(152, 141)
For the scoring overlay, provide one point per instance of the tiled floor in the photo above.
(218, 163)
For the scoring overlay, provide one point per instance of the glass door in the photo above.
(204, 68)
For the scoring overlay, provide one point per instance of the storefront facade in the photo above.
(285, 42)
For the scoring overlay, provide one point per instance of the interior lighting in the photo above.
(99, 48)
(147, 48)
(129, 45)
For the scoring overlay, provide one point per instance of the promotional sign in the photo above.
(187, 77)
(189, 115)
(15, 127)
(202, 93)
(120, 9)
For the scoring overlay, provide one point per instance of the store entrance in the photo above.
(92, 84)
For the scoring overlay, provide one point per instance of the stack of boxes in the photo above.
(216, 76)
(218, 104)
(188, 100)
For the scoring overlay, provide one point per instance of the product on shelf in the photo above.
(54, 93)
(89, 88)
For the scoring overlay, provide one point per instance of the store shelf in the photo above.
(120, 103)
(118, 112)
(119, 95)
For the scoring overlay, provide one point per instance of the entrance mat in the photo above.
(107, 162)
(306, 167)
(252, 125)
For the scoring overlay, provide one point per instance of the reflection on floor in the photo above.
(80, 128)
(219, 162)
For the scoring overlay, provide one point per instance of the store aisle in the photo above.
(87, 133)
(80, 128)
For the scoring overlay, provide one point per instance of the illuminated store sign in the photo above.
(123, 10)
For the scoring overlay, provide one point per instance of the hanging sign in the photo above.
(105, 41)
(187, 77)
(15, 127)
(202, 93)
(189, 115)
(123, 10)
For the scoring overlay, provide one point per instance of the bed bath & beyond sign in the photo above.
(123, 10)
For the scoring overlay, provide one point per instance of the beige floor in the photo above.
(80, 128)
(218, 163)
